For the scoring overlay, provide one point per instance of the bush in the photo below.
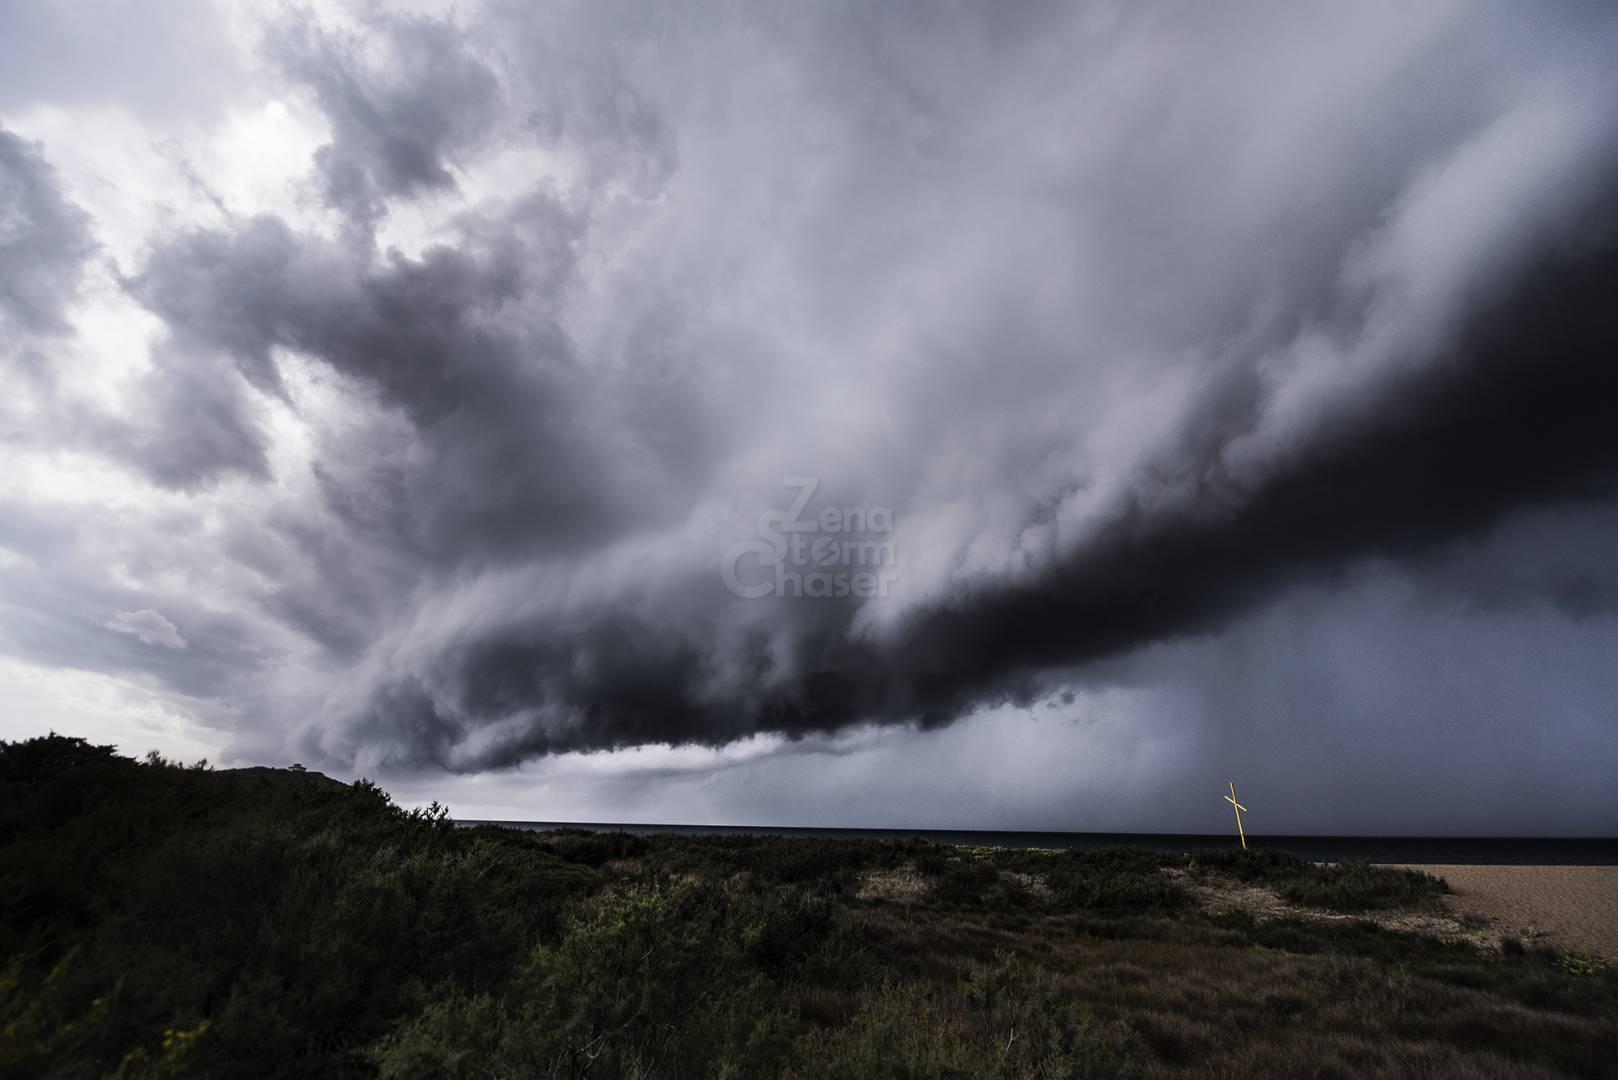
(653, 982)
(1347, 886)
(1115, 881)
(248, 909)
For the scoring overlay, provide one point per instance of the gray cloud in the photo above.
(149, 627)
(1143, 326)
(44, 241)
(66, 576)
(190, 424)
(457, 341)
(1205, 528)
(397, 118)
(169, 61)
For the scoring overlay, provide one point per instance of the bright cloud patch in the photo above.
(150, 627)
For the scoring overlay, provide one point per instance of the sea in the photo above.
(1430, 850)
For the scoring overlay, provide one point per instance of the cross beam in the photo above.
(1231, 799)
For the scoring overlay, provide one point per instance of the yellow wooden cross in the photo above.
(1231, 799)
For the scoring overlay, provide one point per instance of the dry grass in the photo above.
(898, 885)
(1243, 982)
(1220, 896)
(1230, 1008)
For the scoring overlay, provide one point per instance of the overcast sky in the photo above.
(953, 415)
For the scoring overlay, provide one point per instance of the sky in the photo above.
(956, 415)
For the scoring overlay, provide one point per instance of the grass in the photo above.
(164, 921)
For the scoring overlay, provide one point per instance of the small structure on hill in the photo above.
(1231, 799)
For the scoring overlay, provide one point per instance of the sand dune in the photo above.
(1572, 907)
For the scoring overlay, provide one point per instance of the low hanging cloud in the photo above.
(1129, 323)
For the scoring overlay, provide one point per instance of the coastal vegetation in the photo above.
(159, 920)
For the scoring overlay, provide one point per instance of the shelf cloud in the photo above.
(590, 378)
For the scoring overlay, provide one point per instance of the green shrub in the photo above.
(1346, 886)
(1114, 881)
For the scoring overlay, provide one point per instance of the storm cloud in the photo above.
(395, 116)
(1137, 324)
(44, 240)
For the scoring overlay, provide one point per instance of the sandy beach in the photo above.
(1571, 907)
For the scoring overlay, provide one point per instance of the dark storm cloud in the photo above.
(1500, 407)
(190, 423)
(1514, 413)
(44, 241)
(1555, 560)
(1140, 321)
(461, 342)
(402, 97)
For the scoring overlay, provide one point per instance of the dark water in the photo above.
(1385, 849)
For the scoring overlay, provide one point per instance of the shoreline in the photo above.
(1388, 850)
